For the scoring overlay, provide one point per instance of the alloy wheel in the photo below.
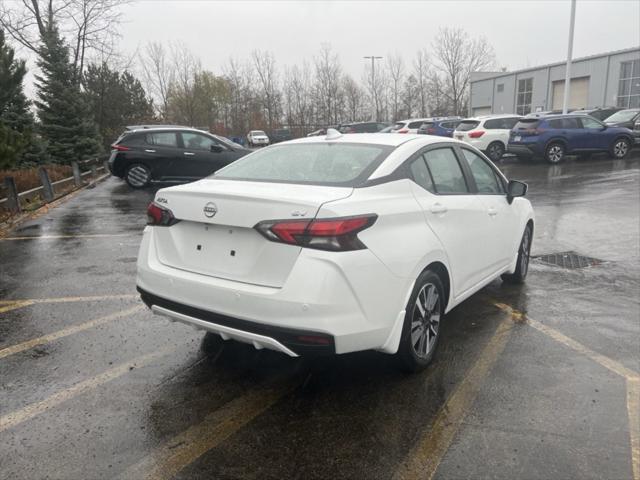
(620, 148)
(138, 176)
(555, 153)
(425, 320)
(525, 249)
(495, 152)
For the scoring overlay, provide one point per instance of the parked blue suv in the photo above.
(442, 127)
(555, 136)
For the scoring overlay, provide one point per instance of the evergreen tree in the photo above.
(18, 144)
(116, 99)
(66, 122)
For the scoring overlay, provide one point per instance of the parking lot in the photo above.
(540, 381)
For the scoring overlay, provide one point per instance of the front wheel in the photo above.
(138, 175)
(522, 266)
(422, 323)
(555, 153)
(620, 148)
(495, 151)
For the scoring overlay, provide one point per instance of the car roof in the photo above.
(480, 118)
(162, 128)
(371, 138)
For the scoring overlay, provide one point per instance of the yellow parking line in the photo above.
(424, 458)
(188, 446)
(79, 235)
(14, 304)
(606, 362)
(5, 352)
(632, 378)
(15, 418)
(633, 409)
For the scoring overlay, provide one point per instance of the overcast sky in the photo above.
(523, 32)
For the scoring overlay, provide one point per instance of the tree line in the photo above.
(86, 92)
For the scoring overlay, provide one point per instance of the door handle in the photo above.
(492, 212)
(189, 154)
(150, 151)
(438, 208)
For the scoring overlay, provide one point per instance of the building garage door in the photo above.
(481, 111)
(579, 95)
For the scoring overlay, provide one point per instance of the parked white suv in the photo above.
(335, 244)
(488, 133)
(409, 126)
(256, 138)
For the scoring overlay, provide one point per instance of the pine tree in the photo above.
(116, 99)
(18, 145)
(66, 122)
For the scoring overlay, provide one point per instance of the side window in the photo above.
(421, 174)
(493, 124)
(195, 141)
(483, 174)
(509, 123)
(555, 123)
(570, 123)
(162, 139)
(590, 123)
(445, 171)
(415, 124)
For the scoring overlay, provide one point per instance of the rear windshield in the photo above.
(527, 124)
(622, 116)
(467, 125)
(337, 164)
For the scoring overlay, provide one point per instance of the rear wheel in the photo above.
(620, 148)
(495, 151)
(522, 267)
(555, 152)
(422, 323)
(138, 175)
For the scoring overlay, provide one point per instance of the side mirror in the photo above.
(216, 148)
(516, 189)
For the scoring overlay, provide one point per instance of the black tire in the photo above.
(524, 253)
(555, 152)
(137, 175)
(421, 331)
(495, 151)
(619, 148)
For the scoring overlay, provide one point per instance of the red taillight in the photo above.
(335, 234)
(159, 216)
(404, 130)
(476, 134)
(120, 148)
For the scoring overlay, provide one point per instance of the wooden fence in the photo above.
(48, 191)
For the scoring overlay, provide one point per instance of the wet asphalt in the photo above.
(130, 395)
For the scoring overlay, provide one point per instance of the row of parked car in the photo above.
(548, 134)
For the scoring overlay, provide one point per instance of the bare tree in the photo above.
(297, 90)
(376, 84)
(354, 99)
(395, 69)
(458, 55)
(239, 78)
(182, 97)
(421, 73)
(158, 74)
(87, 25)
(265, 68)
(410, 96)
(329, 94)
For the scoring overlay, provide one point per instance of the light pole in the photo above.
(567, 76)
(373, 86)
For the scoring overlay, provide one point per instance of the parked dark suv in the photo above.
(170, 154)
(280, 135)
(555, 136)
(362, 127)
(629, 118)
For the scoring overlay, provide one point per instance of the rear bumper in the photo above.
(350, 300)
(290, 341)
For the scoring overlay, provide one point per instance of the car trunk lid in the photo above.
(215, 235)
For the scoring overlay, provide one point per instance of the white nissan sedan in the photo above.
(336, 244)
